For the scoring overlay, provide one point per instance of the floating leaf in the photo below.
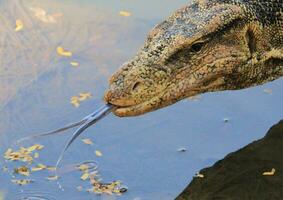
(83, 167)
(84, 96)
(50, 168)
(24, 154)
(61, 51)
(74, 64)
(52, 178)
(42, 15)
(85, 176)
(21, 181)
(22, 170)
(125, 13)
(109, 188)
(35, 147)
(75, 101)
(98, 153)
(198, 175)
(19, 25)
(87, 141)
(39, 167)
(271, 173)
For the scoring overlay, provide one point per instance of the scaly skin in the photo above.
(207, 46)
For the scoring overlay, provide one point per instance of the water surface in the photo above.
(36, 86)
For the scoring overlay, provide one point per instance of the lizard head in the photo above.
(203, 47)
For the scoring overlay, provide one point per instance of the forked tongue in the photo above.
(67, 127)
(87, 122)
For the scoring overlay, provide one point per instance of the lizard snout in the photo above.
(117, 99)
(123, 97)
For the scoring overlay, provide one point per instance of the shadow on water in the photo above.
(37, 85)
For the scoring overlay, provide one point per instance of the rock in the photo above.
(239, 176)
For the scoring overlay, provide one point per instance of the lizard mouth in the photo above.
(138, 109)
(168, 96)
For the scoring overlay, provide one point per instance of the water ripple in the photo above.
(34, 195)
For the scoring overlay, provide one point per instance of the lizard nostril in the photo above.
(136, 85)
(108, 96)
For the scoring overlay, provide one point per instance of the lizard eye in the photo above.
(197, 47)
(136, 85)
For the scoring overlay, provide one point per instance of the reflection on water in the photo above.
(37, 84)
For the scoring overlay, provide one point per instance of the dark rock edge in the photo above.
(239, 176)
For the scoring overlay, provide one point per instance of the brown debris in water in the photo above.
(98, 187)
(89, 172)
(23, 170)
(87, 141)
(125, 13)
(19, 25)
(98, 153)
(76, 100)
(21, 181)
(270, 173)
(63, 52)
(24, 154)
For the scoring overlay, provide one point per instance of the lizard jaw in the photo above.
(138, 109)
(170, 95)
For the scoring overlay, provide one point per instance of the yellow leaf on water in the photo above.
(19, 25)
(35, 147)
(22, 170)
(271, 173)
(76, 104)
(84, 96)
(85, 176)
(52, 178)
(50, 168)
(87, 141)
(74, 98)
(21, 181)
(125, 13)
(83, 167)
(98, 153)
(39, 167)
(198, 175)
(43, 16)
(74, 64)
(61, 51)
(24, 154)
(75, 101)
(35, 169)
(9, 151)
